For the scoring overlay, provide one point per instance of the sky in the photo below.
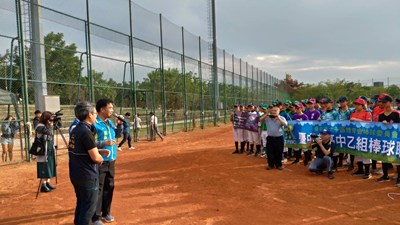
(313, 40)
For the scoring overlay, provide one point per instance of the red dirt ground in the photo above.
(192, 178)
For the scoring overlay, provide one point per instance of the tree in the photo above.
(62, 66)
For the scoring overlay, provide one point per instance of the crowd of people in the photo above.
(273, 119)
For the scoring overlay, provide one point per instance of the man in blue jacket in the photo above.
(105, 130)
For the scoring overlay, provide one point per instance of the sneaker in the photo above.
(358, 173)
(44, 188)
(367, 176)
(383, 179)
(50, 186)
(330, 175)
(250, 153)
(280, 168)
(269, 168)
(377, 172)
(98, 222)
(295, 162)
(132, 148)
(235, 152)
(284, 161)
(318, 172)
(339, 165)
(108, 218)
(119, 149)
(397, 183)
(262, 155)
(350, 168)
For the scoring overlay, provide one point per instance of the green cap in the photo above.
(265, 106)
(288, 102)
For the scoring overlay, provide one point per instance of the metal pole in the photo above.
(233, 79)
(123, 89)
(215, 66)
(247, 83)
(132, 64)
(23, 75)
(79, 77)
(184, 95)
(201, 88)
(240, 81)
(11, 65)
(162, 79)
(224, 74)
(89, 55)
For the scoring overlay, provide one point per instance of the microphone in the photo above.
(118, 117)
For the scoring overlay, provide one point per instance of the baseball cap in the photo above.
(276, 102)
(235, 105)
(325, 131)
(342, 99)
(360, 101)
(241, 105)
(312, 100)
(288, 102)
(265, 106)
(250, 105)
(397, 100)
(299, 105)
(322, 100)
(327, 100)
(382, 95)
(387, 98)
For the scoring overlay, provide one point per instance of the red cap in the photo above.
(360, 101)
(382, 95)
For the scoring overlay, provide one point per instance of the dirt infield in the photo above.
(192, 178)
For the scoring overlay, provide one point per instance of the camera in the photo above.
(313, 135)
(272, 116)
(56, 118)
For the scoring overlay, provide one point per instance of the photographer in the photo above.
(8, 129)
(325, 148)
(275, 142)
(84, 159)
(46, 164)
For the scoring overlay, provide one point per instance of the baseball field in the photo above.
(192, 178)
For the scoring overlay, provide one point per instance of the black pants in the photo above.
(106, 189)
(274, 151)
(86, 192)
(127, 136)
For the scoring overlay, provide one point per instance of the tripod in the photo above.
(58, 131)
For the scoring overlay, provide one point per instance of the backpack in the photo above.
(38, 147)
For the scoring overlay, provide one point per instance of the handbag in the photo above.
(38, 147)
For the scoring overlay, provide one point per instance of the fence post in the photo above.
(185, 110)
(89, 55)
(224, 75)
(201, 88)
(215, 66)
(21, 50)
(162, 79)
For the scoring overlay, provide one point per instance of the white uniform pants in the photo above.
(264, 135)
(238, 134)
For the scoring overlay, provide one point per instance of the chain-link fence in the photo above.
(148, 64)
